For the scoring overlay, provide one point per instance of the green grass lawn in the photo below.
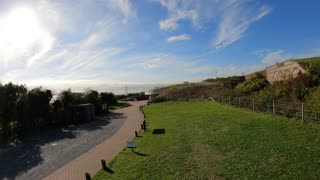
(120, 104)
(207, 140)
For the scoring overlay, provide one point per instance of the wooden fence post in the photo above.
(88, 177)
(302, 112)
(253, 105)
(104, 164)
(273, 108)
(239, 102)
(229, 100)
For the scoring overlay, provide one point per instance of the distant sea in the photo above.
(115, 88)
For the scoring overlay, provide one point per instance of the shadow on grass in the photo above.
(108, 170)
(159, 131)
(141, 154)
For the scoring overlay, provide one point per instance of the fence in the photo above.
(300, 111)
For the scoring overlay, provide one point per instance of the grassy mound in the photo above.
(312, 63)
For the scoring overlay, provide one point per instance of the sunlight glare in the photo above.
(21, 28)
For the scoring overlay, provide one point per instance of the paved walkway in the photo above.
(91, 161)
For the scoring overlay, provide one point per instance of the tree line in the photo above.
(20, 106)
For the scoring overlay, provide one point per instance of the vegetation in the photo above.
(132, 96)
(228, 81)
(252, 85)
(207, 140)
(297, 90)
(22, 109)
(312, 64)
(118, 105)
(314, 102)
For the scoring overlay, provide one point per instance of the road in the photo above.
(42, 153)
(90, 162)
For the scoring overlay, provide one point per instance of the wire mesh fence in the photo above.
(296, 110)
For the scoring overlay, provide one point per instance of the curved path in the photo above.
(91, 161)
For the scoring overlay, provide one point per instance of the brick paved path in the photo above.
(91, 161)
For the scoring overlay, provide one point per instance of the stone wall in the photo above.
(283, 71)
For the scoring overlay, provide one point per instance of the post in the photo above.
(88, 177)
(222, 99)
(239, 102)
(273, 108)
(145, 125)
(253, 105)
(136, 133)
(302, 112)
(229, 100)
(104, 164)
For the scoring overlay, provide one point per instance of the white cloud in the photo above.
(171, 23)
(81, 50)
(275, 57)
(169, 68)
(233, 17)
(154, 63)
(182, 37)
(56, 51)
(124, 6)
(235, 22)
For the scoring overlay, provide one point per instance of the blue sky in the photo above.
(109, 44)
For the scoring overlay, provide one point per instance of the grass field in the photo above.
(207, 140)
(119, 105)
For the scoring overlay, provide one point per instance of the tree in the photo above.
(11, 99)
(56, 105)
(92, 97)
(66, 98)
(37, 104)
(108, 98)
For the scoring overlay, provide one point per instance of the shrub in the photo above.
(109, 98)
(159, 99)
(252, 85)
(313, 103)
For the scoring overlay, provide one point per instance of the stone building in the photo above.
(279, 71)
(283, 71)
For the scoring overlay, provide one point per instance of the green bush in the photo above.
(109, 98)
(313, 104)
(252, 85)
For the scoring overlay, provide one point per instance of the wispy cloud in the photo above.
(233, 17)
(182, 37)
(177, 12)
(56, 52)
(273, 57)
(125, 8)
(235, 22)
(171, 23)
(270, 57)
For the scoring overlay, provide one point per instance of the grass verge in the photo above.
(207, 140)
(120, 104)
